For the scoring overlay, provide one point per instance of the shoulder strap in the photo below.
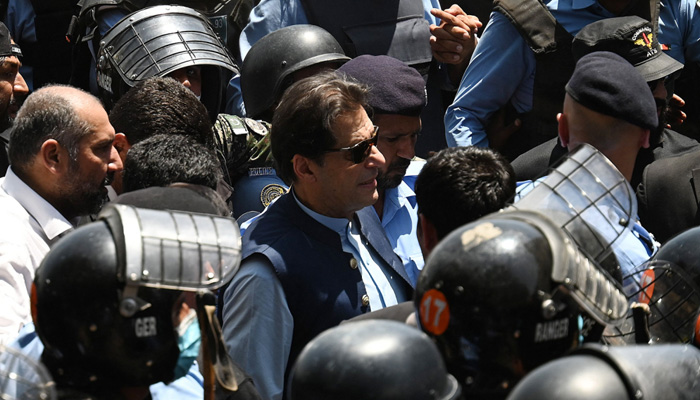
(534, 22)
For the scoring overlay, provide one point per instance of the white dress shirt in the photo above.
(29, 225)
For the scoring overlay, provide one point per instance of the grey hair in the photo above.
(46, 114)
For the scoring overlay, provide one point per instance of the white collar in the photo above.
(50, 220)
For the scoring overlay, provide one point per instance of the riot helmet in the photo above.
(106, 297)
(596, 372)
(371, 360)
(506, 293)
(683, 250)
(269, 65)
(678, 263)
(157, 41)
(664, 303)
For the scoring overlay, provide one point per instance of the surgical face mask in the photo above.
(188, 342)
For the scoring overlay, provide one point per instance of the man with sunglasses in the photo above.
(309, 262)
(397, 97)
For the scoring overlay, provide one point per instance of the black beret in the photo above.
(610, 85)
(395, 88)
(631, 37)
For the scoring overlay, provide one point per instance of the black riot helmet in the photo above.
(505, 293)
(268, 67)
(596, 372)
(106, 297)
(664, 303)
(682, 254)
(683, 250)
(371, 360)
(157, 41)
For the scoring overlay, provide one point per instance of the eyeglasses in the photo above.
(361, 150)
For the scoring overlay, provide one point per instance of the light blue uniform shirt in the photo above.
(258, 325)
(400, 220)
(502, 68)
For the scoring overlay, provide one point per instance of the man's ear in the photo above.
(428, 236)
(644, 139)
(304, 168)
(563, 129)
(53, 156)
(121, 143)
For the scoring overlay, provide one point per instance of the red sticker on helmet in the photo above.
(434, 312)
(647, 283)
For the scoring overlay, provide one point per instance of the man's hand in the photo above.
(454, 40)
(674, 115)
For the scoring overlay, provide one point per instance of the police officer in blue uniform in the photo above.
(397, 97)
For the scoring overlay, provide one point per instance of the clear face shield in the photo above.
(590, 199)
(664, 304)
(22, 378)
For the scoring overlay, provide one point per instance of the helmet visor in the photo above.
(175, 250)
(673, 301)
(587, 197)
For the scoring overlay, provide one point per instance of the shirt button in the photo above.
(353, 263)
(365, 300)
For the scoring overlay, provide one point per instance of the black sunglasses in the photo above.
(360, 150)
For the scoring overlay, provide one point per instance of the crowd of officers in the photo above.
(323, 199)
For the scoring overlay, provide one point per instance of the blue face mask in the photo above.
(188, 342)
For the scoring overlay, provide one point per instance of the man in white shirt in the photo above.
(62, 157)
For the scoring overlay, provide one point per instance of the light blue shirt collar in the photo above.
(395, 199)
(339, 225)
